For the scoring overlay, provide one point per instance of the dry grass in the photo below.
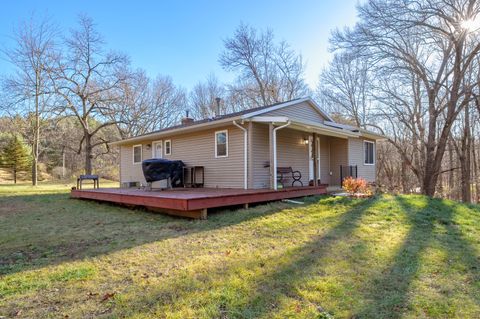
(385, 257)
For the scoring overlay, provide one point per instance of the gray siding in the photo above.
(302, 111)
(195, 149)
(356, 157)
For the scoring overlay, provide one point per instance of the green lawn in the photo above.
(386, 257)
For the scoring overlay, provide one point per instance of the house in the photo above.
(246, 149)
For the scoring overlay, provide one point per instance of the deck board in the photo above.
(193, 202)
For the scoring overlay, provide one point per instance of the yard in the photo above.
(386, 257)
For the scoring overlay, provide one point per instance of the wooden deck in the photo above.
(193, 202)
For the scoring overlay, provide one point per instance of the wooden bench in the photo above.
(285, 173)
(82, 178)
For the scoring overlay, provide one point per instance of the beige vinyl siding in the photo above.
(303, 111)
(260, 155)
(293, 152)
(196, 149)
(338, 156)
(356, 157)
(130, 172)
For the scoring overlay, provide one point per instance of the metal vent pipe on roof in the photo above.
(217, 110)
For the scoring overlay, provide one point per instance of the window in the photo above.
(369, 158)
(137, 154)
(168, 147)
(221, 144)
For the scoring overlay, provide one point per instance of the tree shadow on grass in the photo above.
(265, 291)
(48, 229)
(460, 250)
(389, 296)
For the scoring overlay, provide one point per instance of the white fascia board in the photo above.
(372, 135)
(335, 124)
(269, 119)
(363, 132)
(324, 128)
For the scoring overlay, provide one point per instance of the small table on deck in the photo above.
(191, 171)
(88, 177)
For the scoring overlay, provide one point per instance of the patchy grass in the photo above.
(385, 257)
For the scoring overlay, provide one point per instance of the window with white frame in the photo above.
(137, 154)
(221, 143)
(168, 147)
(369, 151)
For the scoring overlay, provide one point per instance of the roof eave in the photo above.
(185, 129)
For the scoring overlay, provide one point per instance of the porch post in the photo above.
(315, 160)
(270, 140)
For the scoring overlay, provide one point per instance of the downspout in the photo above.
(245, 154)
(275, 153)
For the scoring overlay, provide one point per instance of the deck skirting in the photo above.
(193, 203)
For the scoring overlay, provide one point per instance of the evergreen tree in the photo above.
(16, 156)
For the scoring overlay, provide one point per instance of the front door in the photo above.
(310, 152)
(157, 148)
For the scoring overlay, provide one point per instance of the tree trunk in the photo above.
(15, 176)
(88, 153)
(405, 189)
(451, 176)
(36, 131)
(465, 159)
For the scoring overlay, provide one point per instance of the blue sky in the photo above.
(183, 39)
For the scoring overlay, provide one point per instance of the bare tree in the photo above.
(268, 72)
(146, 105)
(29, 88)
(202, 98)
(345, 87)
(430, 41)
(88, 80)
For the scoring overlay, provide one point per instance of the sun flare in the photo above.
(472, 24)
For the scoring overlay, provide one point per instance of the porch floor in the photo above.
(193, 202)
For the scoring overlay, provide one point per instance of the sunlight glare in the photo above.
(472, 24)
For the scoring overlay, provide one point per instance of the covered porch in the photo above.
(318, 152)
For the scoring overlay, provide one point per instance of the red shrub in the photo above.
(355, 185)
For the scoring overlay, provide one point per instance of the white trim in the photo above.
(153, 148)
(364, 159)
(226, 145)
(165, 147)
(269, 119)
(245, 154)
(133, 153)
(324, 129)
